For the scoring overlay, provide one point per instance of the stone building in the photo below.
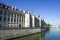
(15, 18)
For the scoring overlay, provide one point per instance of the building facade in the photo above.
(15, 18)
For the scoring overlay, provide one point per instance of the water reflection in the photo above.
(42, 35)
(53, 34)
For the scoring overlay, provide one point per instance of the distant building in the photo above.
(15, 18)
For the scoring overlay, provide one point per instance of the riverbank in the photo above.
(35, 36)
(29, 37)
(7, 34)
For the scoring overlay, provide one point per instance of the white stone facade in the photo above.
(27, 20)
(33, 21)
(12, 17)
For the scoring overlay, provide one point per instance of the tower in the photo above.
(27, 18)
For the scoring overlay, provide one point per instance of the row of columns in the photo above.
(19, 20)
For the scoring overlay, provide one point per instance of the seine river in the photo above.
(52, 34)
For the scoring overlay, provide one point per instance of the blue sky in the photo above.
(49, 10)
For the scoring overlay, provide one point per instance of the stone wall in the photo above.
(11, 33)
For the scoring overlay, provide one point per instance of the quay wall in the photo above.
(11, 33)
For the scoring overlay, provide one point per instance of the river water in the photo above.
(52, 34)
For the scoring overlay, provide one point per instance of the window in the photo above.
(0, 12)
(4, 18)
(14, 19)
(0, 25)
(8, 14)
(8, 25)
(1, 6)
(20, 19)
(17, 18)
(0, 18)
(8, 18)
(11, 19)
(15, 15)
(12, 15)
(5, 13)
